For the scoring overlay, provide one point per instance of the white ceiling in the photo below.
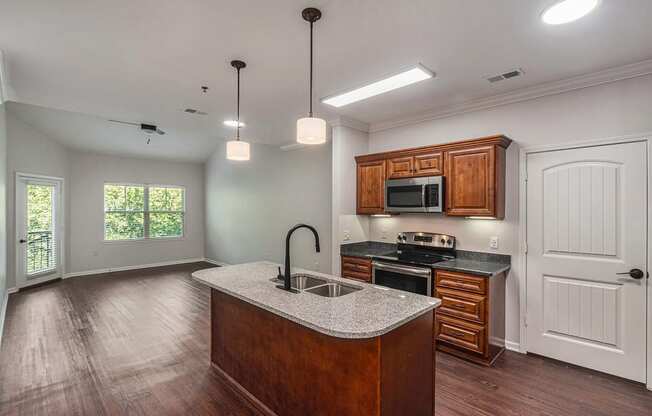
(146, 60)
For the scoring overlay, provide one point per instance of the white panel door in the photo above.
(586, 225)
(39, 224)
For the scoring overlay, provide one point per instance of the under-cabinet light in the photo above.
(481, 218)
(411, 76)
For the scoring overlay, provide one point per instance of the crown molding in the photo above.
(606, 76)
(352, 123)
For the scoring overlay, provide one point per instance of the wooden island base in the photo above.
(284, 368)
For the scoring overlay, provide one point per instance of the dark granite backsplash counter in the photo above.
(367, 249)
(474, 262)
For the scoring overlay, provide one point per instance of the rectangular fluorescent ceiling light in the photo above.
(411, 76)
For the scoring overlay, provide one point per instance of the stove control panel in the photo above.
(426, 239)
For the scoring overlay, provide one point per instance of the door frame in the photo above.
(59, 223)
(522, 252)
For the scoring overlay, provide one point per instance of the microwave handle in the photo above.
(423, 197)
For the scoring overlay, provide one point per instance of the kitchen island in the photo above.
(367, 352)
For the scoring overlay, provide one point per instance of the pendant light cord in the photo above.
(237, 130)
(310, 114)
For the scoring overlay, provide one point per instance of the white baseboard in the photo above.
(3, 314)
(135, 267)
(216, 262)
(513, 346)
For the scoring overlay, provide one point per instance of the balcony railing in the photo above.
(40, 255)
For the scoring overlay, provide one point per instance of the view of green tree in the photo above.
(39, 207)
(40, 254)
(126, 215)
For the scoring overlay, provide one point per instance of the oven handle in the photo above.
(410, 271)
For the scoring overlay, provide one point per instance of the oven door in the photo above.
(402, 277)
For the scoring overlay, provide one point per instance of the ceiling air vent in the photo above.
(194, 111)
(506, 75)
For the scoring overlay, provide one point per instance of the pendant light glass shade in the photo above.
(311, 130)
(237, 150)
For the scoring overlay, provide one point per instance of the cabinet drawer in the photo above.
(462, 304)
(356, 268)
(463, 334)
(459, 281)
(363, 277)
(428, 164)
(400, 167)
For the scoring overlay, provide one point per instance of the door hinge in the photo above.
(525, 321)
(525, 244)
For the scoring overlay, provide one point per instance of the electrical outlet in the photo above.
(383, 233)
(493, 243)
(347, 235)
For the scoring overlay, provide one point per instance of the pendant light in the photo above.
(311, 130)
(237, 149)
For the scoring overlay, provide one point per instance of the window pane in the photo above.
(135, 198)
(165, 199)
(165, 224)
(114, 198)
(124, 226)
(41, 254)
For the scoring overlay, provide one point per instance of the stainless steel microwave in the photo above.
(415, 194)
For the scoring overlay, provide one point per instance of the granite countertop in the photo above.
(473, 262)
(478, 267)
(368, 313)
(478, 263)
(367, 249)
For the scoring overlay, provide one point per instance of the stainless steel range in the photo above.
(410, 267)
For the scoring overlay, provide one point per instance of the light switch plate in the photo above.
(347, 235)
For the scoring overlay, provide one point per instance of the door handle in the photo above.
(634, 274)
(21, 241)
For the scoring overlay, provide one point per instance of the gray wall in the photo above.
(3, 212)
(89, 172)
(31, 151)
(609, 110)
(251, 205)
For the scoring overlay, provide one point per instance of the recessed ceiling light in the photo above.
(233, 123)
(567, 11)
(416, 74)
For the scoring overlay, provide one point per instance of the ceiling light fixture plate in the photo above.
(311, 14)
(238, 64)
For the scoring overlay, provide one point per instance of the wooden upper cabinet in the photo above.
(474, 172)
(400, 167)
(371, 187)
(429, 164)
(475, 181)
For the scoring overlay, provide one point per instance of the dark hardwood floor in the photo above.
(137, 343)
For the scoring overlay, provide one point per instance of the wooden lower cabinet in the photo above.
(356, 268)
(470, 323)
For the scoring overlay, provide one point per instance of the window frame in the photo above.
(146, 213)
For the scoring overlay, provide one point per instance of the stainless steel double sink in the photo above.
(319, 286)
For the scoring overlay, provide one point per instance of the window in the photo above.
(135, 212)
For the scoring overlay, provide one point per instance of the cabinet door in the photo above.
(428, 164)
(471, 182)
(400, 167)
(371, 187)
